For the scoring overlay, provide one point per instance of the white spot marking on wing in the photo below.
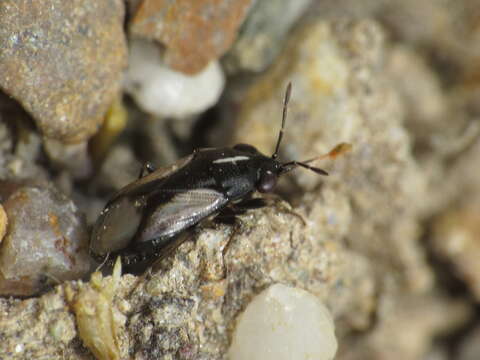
(233, 159)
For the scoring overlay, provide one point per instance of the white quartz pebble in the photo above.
(161, 91)
(284, 323)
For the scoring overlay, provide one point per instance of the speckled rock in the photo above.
(37, 328)
(187, 307)
(194, 32)
(46, 239)
(62, 61)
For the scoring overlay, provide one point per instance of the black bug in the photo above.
(145, 218)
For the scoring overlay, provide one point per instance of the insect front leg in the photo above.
(229, 215)
(251, 204)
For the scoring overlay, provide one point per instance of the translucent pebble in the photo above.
(47, 240)
(284, 323)
(162, 91)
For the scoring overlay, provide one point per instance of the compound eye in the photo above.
(267, 182)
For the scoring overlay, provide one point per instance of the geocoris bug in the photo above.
(145, 218)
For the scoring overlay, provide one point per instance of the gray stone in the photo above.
(46, 240)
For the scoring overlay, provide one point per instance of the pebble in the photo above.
(46, 240)
(284, 323)
(63, 61)
(162, 91)
(194, 32)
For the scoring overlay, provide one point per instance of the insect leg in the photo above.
(252, 203)
(228, 215)
(235, 230)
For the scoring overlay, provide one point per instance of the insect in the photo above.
(145, 218)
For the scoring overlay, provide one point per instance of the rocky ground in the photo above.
(383, 252)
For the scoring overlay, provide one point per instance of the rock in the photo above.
(262, 35)
(62, 61)
(186, 309)
(354, 240)
(400, 333)
(46, 240)
(21, 145)
(470, 346)
(72, 157)
(314, 62)
(119, 168)
(424, 99)
(456, 239)
(284, 323)
(341, 93)
(194, 32)
(37, 327)
(162, 91)
(201, 289)
(3, 223)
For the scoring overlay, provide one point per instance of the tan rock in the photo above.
(62, 61)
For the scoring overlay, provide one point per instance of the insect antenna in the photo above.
(287, 167)
(284, 117)
(332, 154)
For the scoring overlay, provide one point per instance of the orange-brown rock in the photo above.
(194, 32)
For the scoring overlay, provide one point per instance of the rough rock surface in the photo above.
(46, 239)
(194, 32)
(62, 60)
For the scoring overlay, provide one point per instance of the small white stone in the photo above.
(162, 91)
(19, 348)
(284, 323)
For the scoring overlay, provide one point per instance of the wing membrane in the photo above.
(184, 209)
(150, 181)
